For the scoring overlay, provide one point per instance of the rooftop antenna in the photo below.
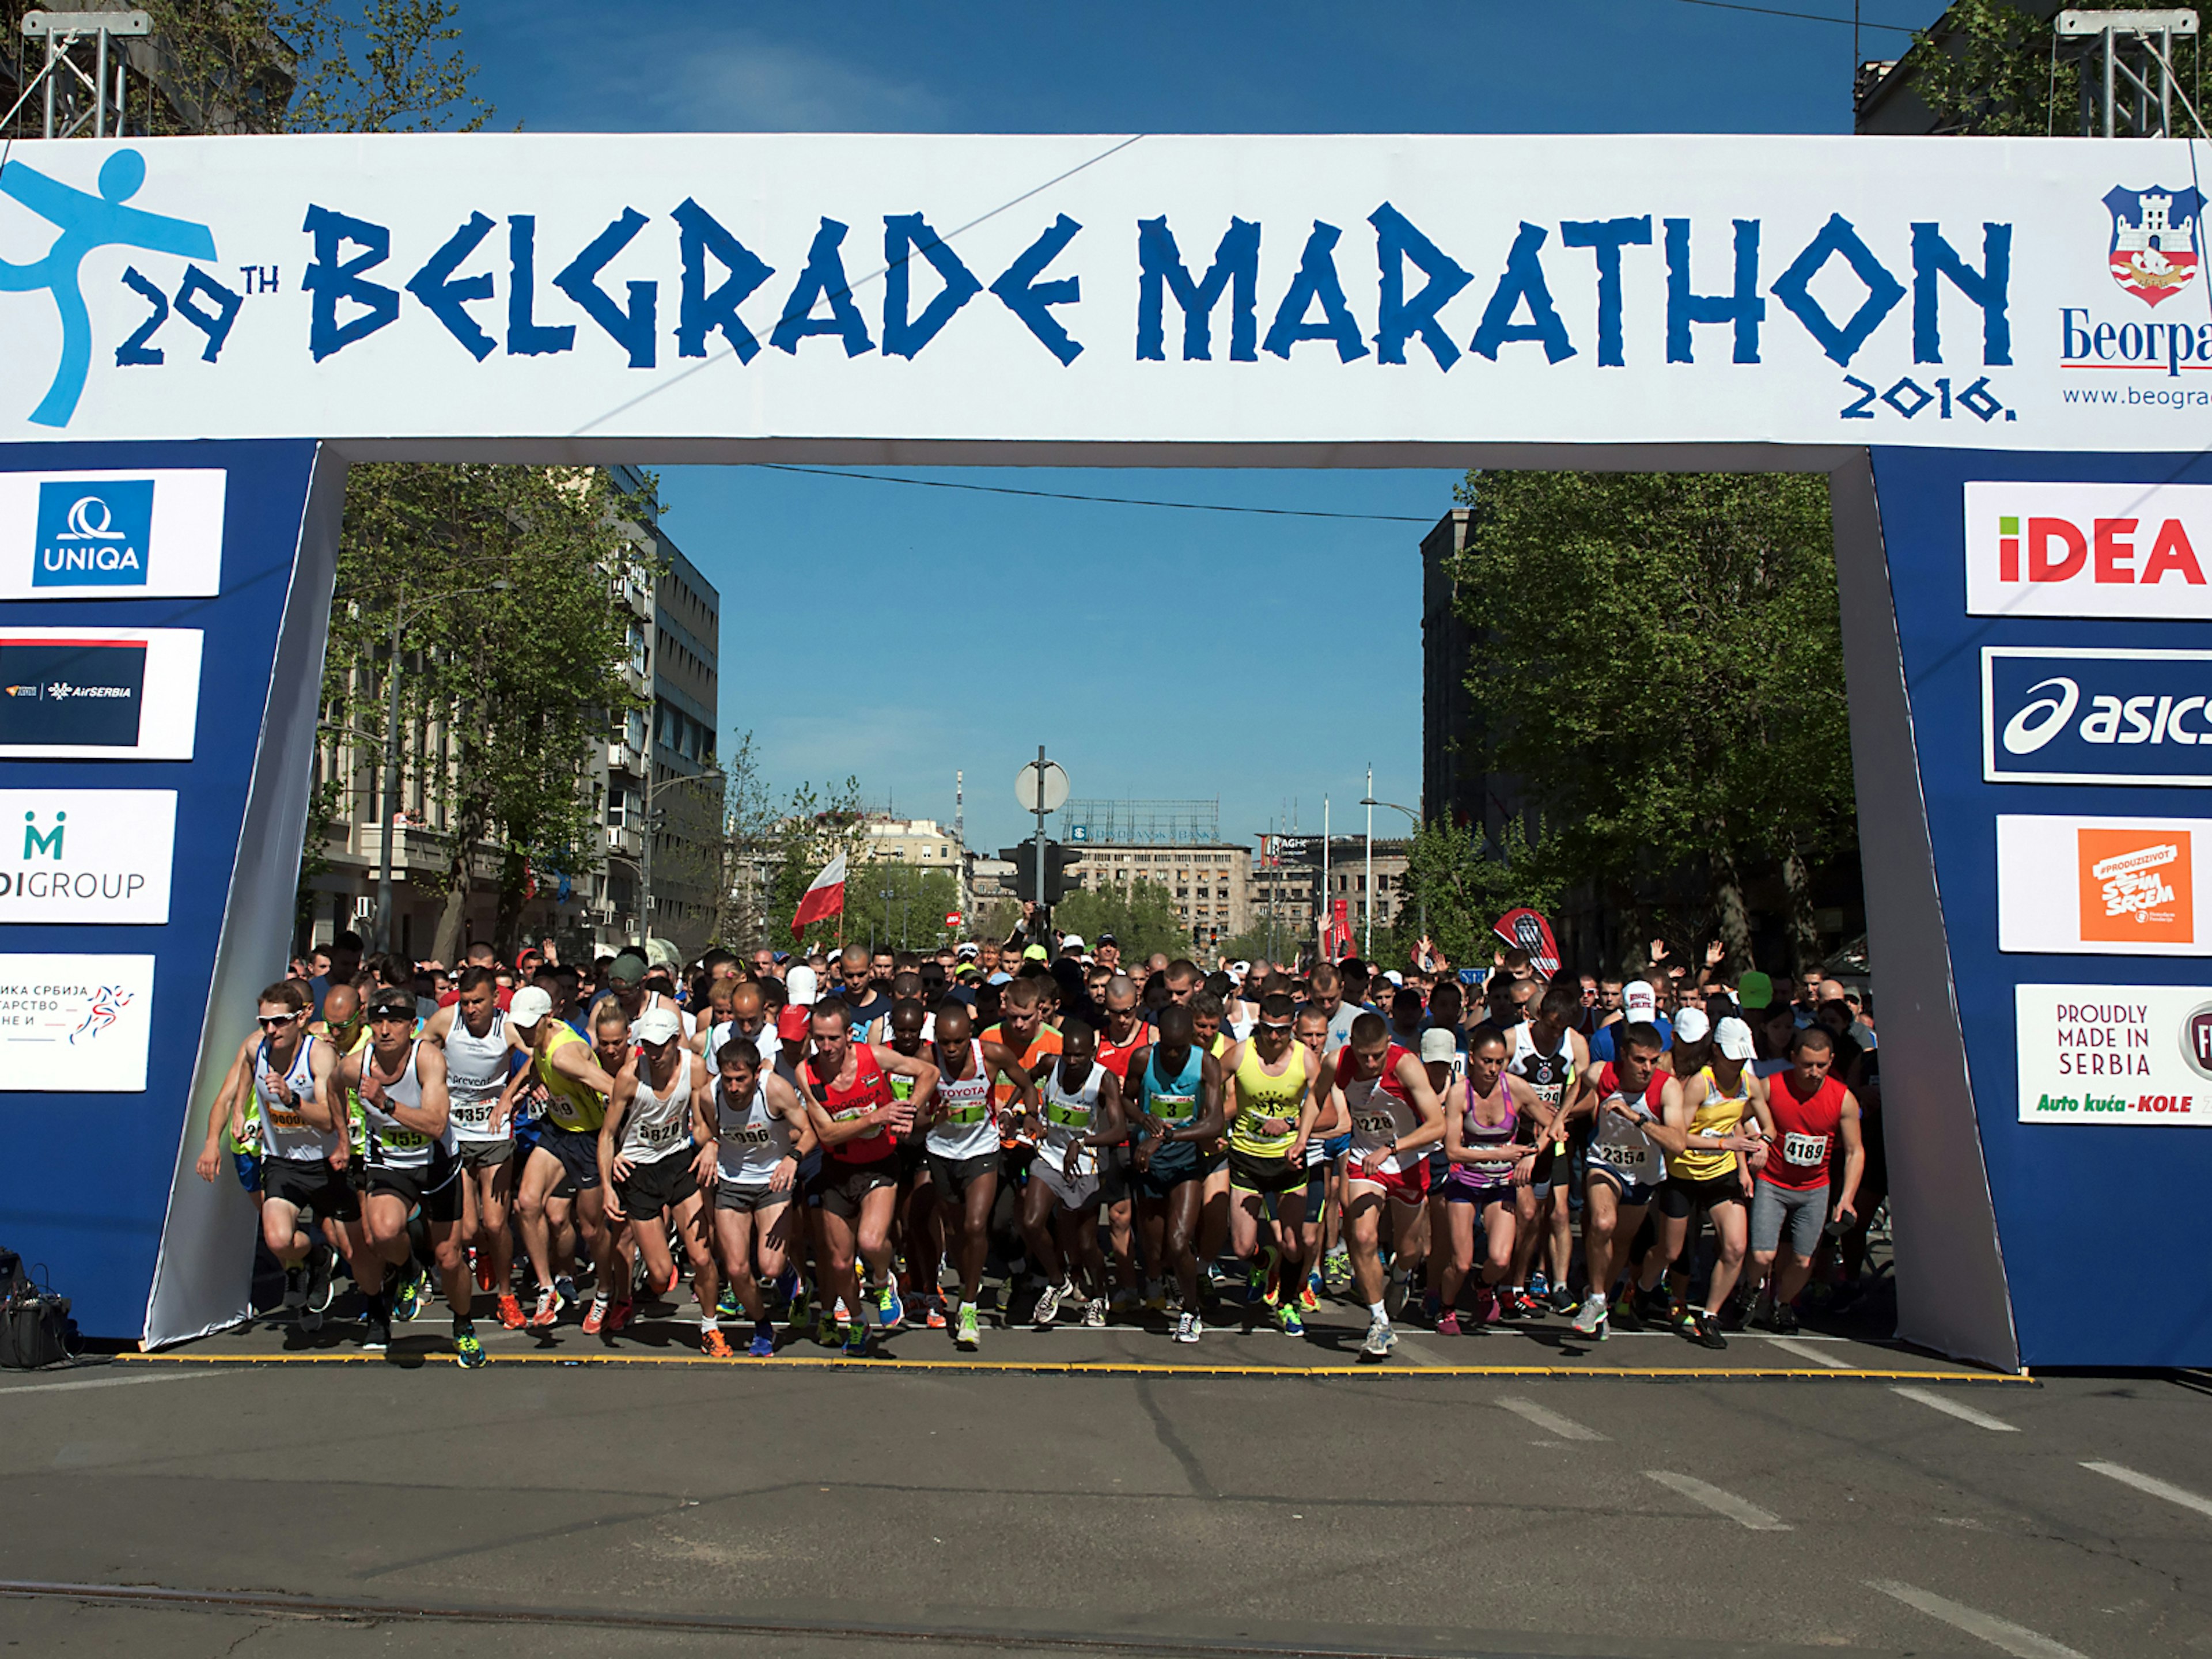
(960, 807)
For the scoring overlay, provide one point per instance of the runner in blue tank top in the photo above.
(1177, 1105)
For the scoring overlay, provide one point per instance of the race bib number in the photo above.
(1373, 1124)
(663, 1134)
(1807, 1150)
(1629, 1160)
(469, 1116)
(402, 1140)
(751, 1136)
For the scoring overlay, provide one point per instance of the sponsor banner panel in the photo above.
(2104, 886)
(74, 1024)
(112, 535)
(99, 693)
(2096, 714)
(86, 855)
(2115, 1053)
(2088, 550)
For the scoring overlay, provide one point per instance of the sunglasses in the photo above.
(271, 1022)
(1276, 1031)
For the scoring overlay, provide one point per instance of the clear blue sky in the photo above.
(1182, 634)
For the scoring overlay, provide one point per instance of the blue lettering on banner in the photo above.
(1398, 319)
(699, 311)
(1317, 281)
(1743, 307)
(631, 327)
(443, 295)
(1523, 284)
(2096, 716)
(1161, 271)
(1933, 257)
(526, 336)
(905, 234)
(1019, 289)
(331, 279)
(824, 278)
(94, 534)
(1794, 288)
(139, 351)
(1607, 237)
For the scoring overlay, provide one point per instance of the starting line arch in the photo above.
(1999, 352)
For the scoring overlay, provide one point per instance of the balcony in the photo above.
(626, 840)
(620, 757)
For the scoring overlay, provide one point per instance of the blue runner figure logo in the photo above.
(87, 223)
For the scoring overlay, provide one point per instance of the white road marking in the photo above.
(1546, 1419)
(1407, 1349)
(1741, 1511)
(2016, 1639)
(179, 1375)
(1938, 1402)
(2154, 1485)
(1806, 1350)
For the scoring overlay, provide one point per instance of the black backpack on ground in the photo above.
(35, 1327)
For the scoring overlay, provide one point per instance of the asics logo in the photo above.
(2043, 717)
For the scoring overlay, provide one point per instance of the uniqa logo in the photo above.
(81, 526)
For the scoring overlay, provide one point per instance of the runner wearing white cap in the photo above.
(1705, 1172)
(656, 1146)
(570, 1089)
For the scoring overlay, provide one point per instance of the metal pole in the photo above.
(1327, 907)
(390, 775)
(1367, 905)
(100, 91)
(645, 859)
(1039, 842)
(2110, 47)
(51, 53)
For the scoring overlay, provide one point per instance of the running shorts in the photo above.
(1797, 1214)
(661, 1185)
(414, 1187)
(953, 1176)
(315, 1185)
(1406, 1187)
(1080, 1193)
(751, 1198)
(487, 1154)
(1254, 1173)
(578, 1153)
(1679, 1195)
(1117, 1174)
(839, 1188)
(1630, 1192)
(248, 1165)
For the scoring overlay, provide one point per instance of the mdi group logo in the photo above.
(2137, 551)
(112, 535)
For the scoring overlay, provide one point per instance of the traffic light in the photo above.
(1058, 882)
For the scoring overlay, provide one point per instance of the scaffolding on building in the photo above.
(1141, 822)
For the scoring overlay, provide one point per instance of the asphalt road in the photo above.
(818, 1511)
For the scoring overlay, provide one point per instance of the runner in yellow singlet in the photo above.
(572, 1089)
(1272, 1104)
(1704, 1170)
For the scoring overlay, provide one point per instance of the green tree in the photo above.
(512, 660)
(1663, 655)
(1993, 69)
(1142, 921)
(810, 832)
(1456, 888)
(912, 918)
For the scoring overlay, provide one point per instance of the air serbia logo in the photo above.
(2155, 240)
(93, 535)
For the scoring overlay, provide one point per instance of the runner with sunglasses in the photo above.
(656, 1146)
(1276, 1090)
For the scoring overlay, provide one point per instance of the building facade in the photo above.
(1210, 882)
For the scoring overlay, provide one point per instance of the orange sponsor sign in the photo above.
(2136, 887)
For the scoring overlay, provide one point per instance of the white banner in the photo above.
(2138, 552)
(99, 693)
(2106, 887)
(155, 534)
(86, 855)
(832, 294)
(2115, 1053)
(75, 1025)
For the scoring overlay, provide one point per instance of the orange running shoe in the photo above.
(483, 1273)
(510, 1312)
(675, 1278)
(714, 1345)
(550, 1304)
(595, 1317)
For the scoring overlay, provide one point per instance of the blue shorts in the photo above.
(1173, 1163)
(1466, 1192)
(1633, 1192)
(248, 1165)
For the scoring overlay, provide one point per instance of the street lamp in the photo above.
(1412, 817)
(391, 741)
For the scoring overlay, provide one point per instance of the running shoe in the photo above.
(295, 1286)
(1605, 1328)
(1310, 1294)
(1704, 1330)
(1539, 1285)
(1433, 1307)
(511, 1314)
(409, 1301)
(967, 1336)
(468, 1351)
(483, 1265)
(318, 1281)
(1562, 1299)
(1125, 1301)
(800, 1302)
(1288, 1316)
(595, 1317)
(1186, 1328)
(550, 1301)
(933, 1314)
(567, 1285)
(714, 1344)
(762, 1345)
(725, 1306)
(310, 1318)
(1381, 1339)
(675, 1278)
(888, 1306)
(1094, 1314)
(618, 1314)
(1336, 1267)
(1522, 1304)
(1784, 1322)
(1592, 1314)
(1047, 1305)
(1258, 1279)
(1448, 1322)
(825, 1330)
(856, 1341)
(1156, 1297)
(1486, 1304)
(379, 1338)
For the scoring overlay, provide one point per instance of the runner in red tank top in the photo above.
(1812, 1111)
(849, 1099)
(1123, 1036)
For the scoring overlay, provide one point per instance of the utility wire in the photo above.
(1803, 17)
(1109, 501)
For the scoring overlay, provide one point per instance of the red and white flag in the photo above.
(826, 898)
(1528, 929)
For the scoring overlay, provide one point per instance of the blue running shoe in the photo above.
(888, 1306)
(856, 1341)
(763, 1343)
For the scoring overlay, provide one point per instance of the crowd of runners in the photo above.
(1039, 1133)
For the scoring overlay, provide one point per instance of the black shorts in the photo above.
(435, 1186)
(1681, 1194)
(578, 1153)
(952, 1177)
(841, 1187)
(315, 1187)
(1116, 1174)
(1256, 1173)
(661, 1185)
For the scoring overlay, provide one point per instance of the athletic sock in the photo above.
(1374, 1312)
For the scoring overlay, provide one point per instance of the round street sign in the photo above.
(1055, 787)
